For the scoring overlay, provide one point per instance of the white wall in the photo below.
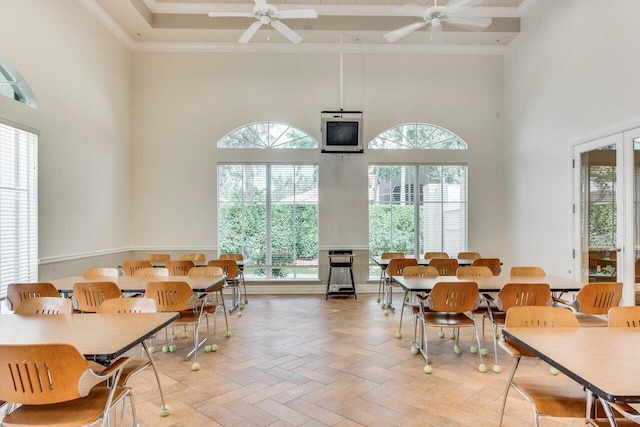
(186, 102)
(81, 76)
(571, 73)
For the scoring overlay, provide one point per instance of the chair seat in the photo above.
(557, 395)
(447, 319)
(75, 412)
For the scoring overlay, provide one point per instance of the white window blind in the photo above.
(417, 208)
(269, 213)
(18, 207)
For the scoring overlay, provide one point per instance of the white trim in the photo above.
(108, 22)
(234, 47)
(74, 257)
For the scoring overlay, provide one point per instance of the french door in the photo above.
(606, 193)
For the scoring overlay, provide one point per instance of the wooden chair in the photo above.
(548, 395)
(44, 305)
(130, 267)
(593, 300)
(152, 272)
(136, 364)
(468, 271)
(100, 272)
(445, 266)
(235, 257)
(18, 292)
(413, 304)
(196, 258)
(419, 271)
(89, 295)
(395, 267)
(232, 271)
(179, 268)
(436, 255)
(624, 317)
(178, 297)
(53, 384)
(238, 257)
(492, 263)
(468, 255)
(383, 268)
(158, 257)
(205, 271)
(450, 304)
(511, 295)
(527, 272)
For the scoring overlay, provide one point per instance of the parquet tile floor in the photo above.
(304, 361)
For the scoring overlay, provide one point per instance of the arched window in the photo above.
(13, 85)
(415, 208)
(267, 135)
(417, 135)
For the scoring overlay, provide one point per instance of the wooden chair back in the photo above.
(492, 263)
(44, 305)
(158, 257)
(18, 292)
(389, 255)
(152, 272)
(523, 294)
(599, 297)
(205, 271)
(170, 296)
(436, 255)
(130, 267)
(454, 297)
(470, 271)
(527, 272)
(468, 255)
(445, 266)
(100, 272)
(179, 268)
(235, 257)
(128, 305)
(396, 266)
(624, 317)
(419, 271)
(42, 374)
(89, 295)
(538, 317)
(228, 266)
(196, 258)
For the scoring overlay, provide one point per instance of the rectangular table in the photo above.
(99, 337)
(383, 262)
(602, 360)
(136, 285)
(485, 285)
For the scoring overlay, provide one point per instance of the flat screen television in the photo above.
(342, 132)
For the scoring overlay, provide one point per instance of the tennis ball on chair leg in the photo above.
(195, 366)
(398, 334)
(214, 347)
(207, 349)
(165, 411)
(427, 369)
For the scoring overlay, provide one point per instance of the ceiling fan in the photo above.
(436, 16)
(267, 14)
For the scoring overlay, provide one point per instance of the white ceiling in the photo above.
(350, 25)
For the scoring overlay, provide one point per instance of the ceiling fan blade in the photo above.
(230, 14)
(396, 35)
(261, 4)
(411, 10)
(469, 23)
(455, 5)
(244, 38)
(299, 13)
(286, 31)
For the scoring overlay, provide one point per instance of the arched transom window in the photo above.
(417, 135)
(267, 135)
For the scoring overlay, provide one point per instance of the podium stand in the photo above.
(341, 259)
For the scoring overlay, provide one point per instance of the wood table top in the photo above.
(604, 360)
(100, 337)
(487, 284)
(130, 284)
